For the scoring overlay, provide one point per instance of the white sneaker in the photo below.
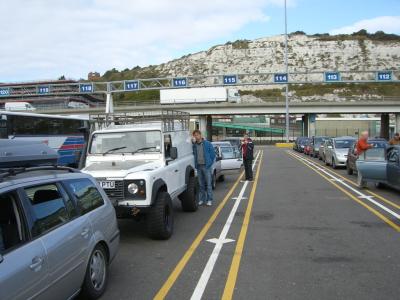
(201, 203)
(209, 203)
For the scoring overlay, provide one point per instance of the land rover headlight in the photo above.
(133, 188)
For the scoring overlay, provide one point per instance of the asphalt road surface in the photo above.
(299, 231)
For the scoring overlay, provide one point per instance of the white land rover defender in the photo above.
(143, 161)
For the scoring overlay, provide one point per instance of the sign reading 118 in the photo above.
(86, 88)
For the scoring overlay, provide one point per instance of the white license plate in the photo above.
(107, 184)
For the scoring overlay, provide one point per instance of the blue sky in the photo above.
(44, 39)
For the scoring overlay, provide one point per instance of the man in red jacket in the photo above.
(362, 144)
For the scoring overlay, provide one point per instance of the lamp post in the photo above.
(287, 72)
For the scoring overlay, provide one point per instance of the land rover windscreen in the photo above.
(125, 142)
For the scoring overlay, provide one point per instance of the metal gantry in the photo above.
(238, 80)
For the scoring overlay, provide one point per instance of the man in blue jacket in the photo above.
(204, 157)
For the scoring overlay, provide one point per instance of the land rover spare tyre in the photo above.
(189, 196)
(160, 219)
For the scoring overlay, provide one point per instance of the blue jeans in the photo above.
(205, 179)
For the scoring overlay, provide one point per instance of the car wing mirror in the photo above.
(218, 158)
(173, 154)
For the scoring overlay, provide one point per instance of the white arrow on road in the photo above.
(219, 241)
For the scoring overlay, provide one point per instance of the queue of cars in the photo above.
(379, 165)
(58, 225)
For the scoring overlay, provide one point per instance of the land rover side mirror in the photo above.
(173, 153)
(218, 158)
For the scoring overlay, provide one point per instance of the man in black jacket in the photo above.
(248, 156)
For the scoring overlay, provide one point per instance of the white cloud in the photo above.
(47, 38)
(388, 24)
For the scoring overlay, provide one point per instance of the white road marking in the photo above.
(216, 241)
(219, 242)
(360, 195)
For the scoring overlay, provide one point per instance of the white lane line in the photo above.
(208, 269)
(360, 195)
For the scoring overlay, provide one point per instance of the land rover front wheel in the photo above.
(160, 220)
(189, 196)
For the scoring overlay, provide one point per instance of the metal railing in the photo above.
(171, 120)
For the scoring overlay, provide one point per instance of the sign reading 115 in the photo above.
(230, 79)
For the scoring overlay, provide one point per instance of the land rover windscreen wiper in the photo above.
(144, 148)
(113, 149)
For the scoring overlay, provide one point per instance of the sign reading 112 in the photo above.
(384, 76)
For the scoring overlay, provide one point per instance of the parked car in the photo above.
(372, 154)
(382, 172)
(234, 141)
(297, 146)
(307, 147)
(143, 165)
(230, 160)
(58, 230)
(336, 151)
(322, 150)
(316, 142)
(216, 169)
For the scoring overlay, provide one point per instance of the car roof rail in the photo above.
(168, 118)
(7, 172)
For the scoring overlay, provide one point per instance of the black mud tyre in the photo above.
(189, 197)
(96, 277)
(380, 185)
(160, 219)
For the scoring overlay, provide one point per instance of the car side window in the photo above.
(393, 156)
(86, 193)
(12, 223)
(48, 208)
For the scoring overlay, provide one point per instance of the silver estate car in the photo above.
(336, 151)
(58, 234)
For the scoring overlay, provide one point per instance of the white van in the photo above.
(18, 106)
